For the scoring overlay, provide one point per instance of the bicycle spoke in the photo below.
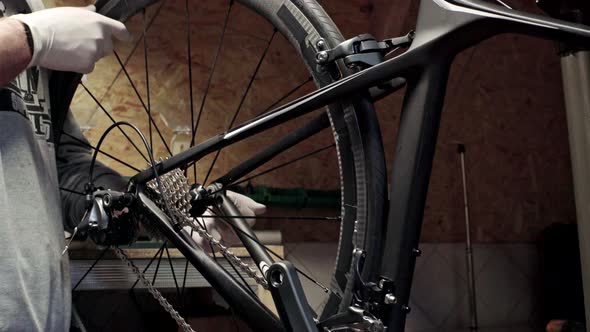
(149, 264)
(157, 268)
(204, 225)
(100, 151)
(209, 79)
(307, 155)
(172, 269)
(287, 95)
(90, 269)
(275, 168)
(72, 191)
(110, 87)
(113, 121)
(503, 4)
(248, 87)
(241, 277)
(275, 217)
(147, 79)
(142, 102)
(185, 273)
(190, 79)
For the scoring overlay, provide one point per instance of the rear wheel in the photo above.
(351, 150)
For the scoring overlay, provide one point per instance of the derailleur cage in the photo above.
(363, 50)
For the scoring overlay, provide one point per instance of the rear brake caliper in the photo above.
(362, 51)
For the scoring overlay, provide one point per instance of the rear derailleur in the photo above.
(108, 220)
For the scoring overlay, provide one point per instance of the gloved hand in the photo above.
(219, 228)
(71, 38)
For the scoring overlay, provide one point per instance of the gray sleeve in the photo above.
(74, 154)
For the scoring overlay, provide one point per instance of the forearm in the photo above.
(15, 53)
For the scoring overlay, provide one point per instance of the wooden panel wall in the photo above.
(504, 102)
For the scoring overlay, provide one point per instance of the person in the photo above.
(34, 275)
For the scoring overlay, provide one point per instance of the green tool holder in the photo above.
(297, 198)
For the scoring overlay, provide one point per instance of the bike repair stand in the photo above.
(575, 67)
(468, 247)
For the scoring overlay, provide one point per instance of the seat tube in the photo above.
(412, 167)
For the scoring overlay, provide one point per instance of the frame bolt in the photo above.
(107, 200)
(406, 309)
(321, 57)
(417, 252)
(390, 299)
(321, 44)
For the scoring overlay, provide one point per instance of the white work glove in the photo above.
(220, 229)
(71, 38)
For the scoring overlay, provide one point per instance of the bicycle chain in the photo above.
(176, 188)
(155, 292)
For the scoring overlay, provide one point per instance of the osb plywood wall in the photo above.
(504, 102)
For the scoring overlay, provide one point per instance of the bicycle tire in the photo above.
(365, 165)
(357, 136)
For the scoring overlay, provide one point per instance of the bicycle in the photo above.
(377, 253)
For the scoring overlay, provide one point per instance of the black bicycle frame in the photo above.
(248, 307)
(444, 28)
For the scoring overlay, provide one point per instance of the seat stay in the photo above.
(508, 20)
(533, 20)
(452, 26)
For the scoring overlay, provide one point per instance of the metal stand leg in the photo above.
(468, 248)
(576, 83)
